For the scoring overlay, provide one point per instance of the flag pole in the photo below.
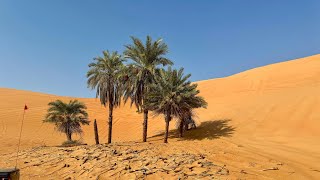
(24, 112)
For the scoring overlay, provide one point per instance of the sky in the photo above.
(46, 46)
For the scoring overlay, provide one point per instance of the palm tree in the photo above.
(184, 121)
(67, 117)
(174, 96)
(104, 76)
(146, 60)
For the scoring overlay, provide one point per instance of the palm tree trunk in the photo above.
(96, 134)
(186, 126)
(166, 134)
(181, 128)
(68, 133)
(69, 136)
(145, 126)
(110, 122)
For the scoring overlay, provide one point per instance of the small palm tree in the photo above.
(144, 69)
(67, 117)
(184, 121)
(104, 76)
(174, 96)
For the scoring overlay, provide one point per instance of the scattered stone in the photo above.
(147, 163)
(166, 168)
(202, 156)
(199, 170)
(190, 173)
(85, 160)
(223, 171)
(114, 152)
(207, 163)
(243, 172)
(270, 169)
(178, 169)
(127, 167)
(129, 157)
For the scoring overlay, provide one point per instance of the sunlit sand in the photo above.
(263, 123)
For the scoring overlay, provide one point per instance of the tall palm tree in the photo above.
(174, 96)
(104, 76)
(146, 60)
(67, 117)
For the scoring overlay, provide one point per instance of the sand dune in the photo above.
(265, 115)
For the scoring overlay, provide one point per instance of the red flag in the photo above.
(25, 107)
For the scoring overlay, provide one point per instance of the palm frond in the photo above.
(105, 75)
(174, 93)
(67, 116)
(144, 68)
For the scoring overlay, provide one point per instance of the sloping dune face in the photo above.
(279, 99)
(274, 109)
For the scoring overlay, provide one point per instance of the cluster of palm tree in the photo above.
(143, 81)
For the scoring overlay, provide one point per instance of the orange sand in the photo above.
(267, 114)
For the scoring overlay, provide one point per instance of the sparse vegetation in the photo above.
(67, 117)
(145, 84)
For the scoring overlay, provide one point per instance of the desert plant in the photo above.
(146, 60)
(184, 122)
(173, 96)
(67, 117)
(104, 76)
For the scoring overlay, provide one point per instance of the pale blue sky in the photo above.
(45, 46)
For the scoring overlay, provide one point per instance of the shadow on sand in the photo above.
(207, 130)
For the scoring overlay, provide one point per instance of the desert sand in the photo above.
(263, 123)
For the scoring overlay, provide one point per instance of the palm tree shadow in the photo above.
(207, 130)
(210, 130)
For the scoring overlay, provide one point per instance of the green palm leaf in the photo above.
(105, 75)
(173, 96)
(144, 68)
(67, 117)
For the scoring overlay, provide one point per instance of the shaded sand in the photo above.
(266, 118)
